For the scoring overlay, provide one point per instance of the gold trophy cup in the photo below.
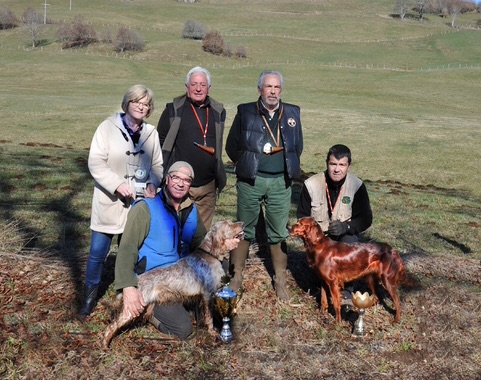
(362, 301)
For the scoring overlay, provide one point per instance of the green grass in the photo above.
(403, 95)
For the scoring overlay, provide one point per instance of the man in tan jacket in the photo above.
(337, 199)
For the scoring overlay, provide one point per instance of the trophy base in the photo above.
(226, 333)
(226, 338)
(357, 336)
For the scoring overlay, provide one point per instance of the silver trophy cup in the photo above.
(225, 302)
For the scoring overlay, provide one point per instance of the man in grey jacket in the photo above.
(191, 129)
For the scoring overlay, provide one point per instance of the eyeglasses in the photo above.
(176, 179)
(138, 104)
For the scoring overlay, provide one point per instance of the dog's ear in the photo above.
(314, 232)
(218, 236)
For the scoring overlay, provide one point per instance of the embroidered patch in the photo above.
(291, 122)
(346, 200)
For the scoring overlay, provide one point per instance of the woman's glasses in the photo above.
(138, 104)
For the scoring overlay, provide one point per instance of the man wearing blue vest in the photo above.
(158, 232)
(337, 199)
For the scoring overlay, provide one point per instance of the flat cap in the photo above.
(179, 165)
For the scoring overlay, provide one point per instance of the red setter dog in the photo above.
(337, 263)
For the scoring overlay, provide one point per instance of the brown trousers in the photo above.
(204, 198)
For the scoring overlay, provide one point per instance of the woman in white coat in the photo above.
(125, 161)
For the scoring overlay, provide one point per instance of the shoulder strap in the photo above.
(175, 123)
(169, 141)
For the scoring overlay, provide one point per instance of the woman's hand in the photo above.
(125, 191)
(133, 301)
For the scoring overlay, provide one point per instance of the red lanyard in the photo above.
(204, 131)
(329, 197)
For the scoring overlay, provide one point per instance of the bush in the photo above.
(213, 43)
(193, 30)
(76, 34)
(228, 49)
(8, 20)
(106, 37)
(241, 52)
(128, 39)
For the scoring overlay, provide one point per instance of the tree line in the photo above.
(79, 33)
(443, 8)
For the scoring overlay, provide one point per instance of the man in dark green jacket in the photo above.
(265, 143)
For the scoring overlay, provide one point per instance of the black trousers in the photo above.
(173, 320)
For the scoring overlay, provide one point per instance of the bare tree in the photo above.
(421, 8)
(76, 34)
(33, 21)
(401, 7)
(127, 39)
(8, 20)
(454, 8)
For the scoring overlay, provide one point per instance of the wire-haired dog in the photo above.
(196, 275)
(336, 263)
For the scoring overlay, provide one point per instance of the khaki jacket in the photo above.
(316, 185)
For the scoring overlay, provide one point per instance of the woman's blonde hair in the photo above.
(134, 94)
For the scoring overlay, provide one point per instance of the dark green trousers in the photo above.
(275, 195)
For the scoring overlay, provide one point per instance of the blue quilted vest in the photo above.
(167, 240)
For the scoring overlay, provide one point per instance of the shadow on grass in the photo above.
(38, 167)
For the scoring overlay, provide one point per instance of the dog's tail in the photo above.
(406, 278)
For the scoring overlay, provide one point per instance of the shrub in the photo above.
(213, 43)
(127, 39)
(76, 34)
(228, 49)
(8, 20)
(241, 52)
(106, 37)
(193, 30)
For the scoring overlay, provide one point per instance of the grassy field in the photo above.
(402, 94)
